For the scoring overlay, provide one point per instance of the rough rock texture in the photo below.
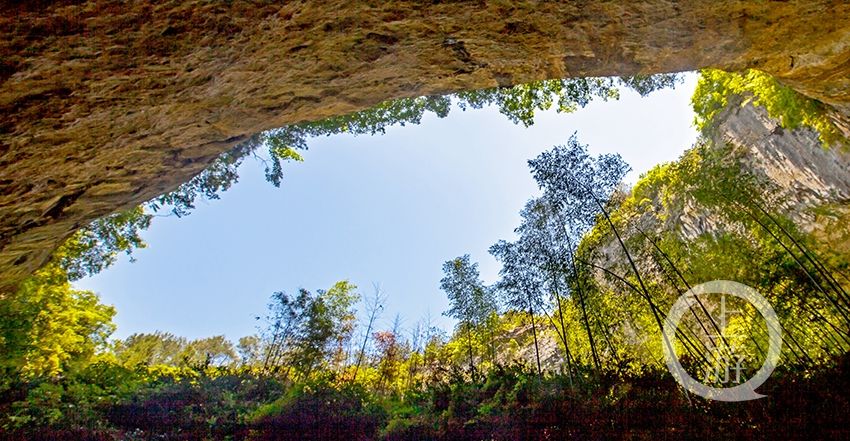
(812, 184)
(106, 104)
(806, 173)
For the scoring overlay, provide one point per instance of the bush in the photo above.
(320, 411)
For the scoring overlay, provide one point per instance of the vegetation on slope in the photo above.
(790, 108)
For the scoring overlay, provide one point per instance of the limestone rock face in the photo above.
(806, 173)
(106, 104)
(812, 185)
(813, 181)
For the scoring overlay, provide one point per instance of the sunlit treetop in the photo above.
(715, 88)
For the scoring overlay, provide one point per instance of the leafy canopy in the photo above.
(49, 328)
(471, 302)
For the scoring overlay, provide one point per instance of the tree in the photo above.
(159, 348)
(286, 317)
(306, 331)
(373, 308)
(209, 351)
(518, 103)
(163, 348)
(576, 184)
(575, 187)
(218, 177)
(250, 350)
(341, 299)
(96, 246)
(313, 338)
(389, 354)
(717, 88)
(521, 284)
(471, 301)
(714, 182)
(48, 328)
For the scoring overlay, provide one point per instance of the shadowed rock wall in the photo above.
(106, 104)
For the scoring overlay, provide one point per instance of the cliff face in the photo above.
(106, 104)
(811, 184)
(805, 173)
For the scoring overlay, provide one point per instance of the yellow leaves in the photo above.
(53, 326)
(166, 371)
(288, 154)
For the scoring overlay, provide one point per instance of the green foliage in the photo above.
(747, 242)
(166, 349)
(309, 331)
(150, 349)
(646, 84)
(95, 247)
(321, 409)
(250, 350)
(74, 401)
(519, 103)
(49, 328)
(212, 404)
(471, 302)
(564, 280)
(218, 177)
(716, 88)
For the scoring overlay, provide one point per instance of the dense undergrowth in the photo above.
(510, 403)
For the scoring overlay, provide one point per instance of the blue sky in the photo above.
(386, 209)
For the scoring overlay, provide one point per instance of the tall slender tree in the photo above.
(574, 186)
(374, 307)
(521, 284)
(472, 303)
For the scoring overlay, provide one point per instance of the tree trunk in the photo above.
(469, 345)
(534, 333)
